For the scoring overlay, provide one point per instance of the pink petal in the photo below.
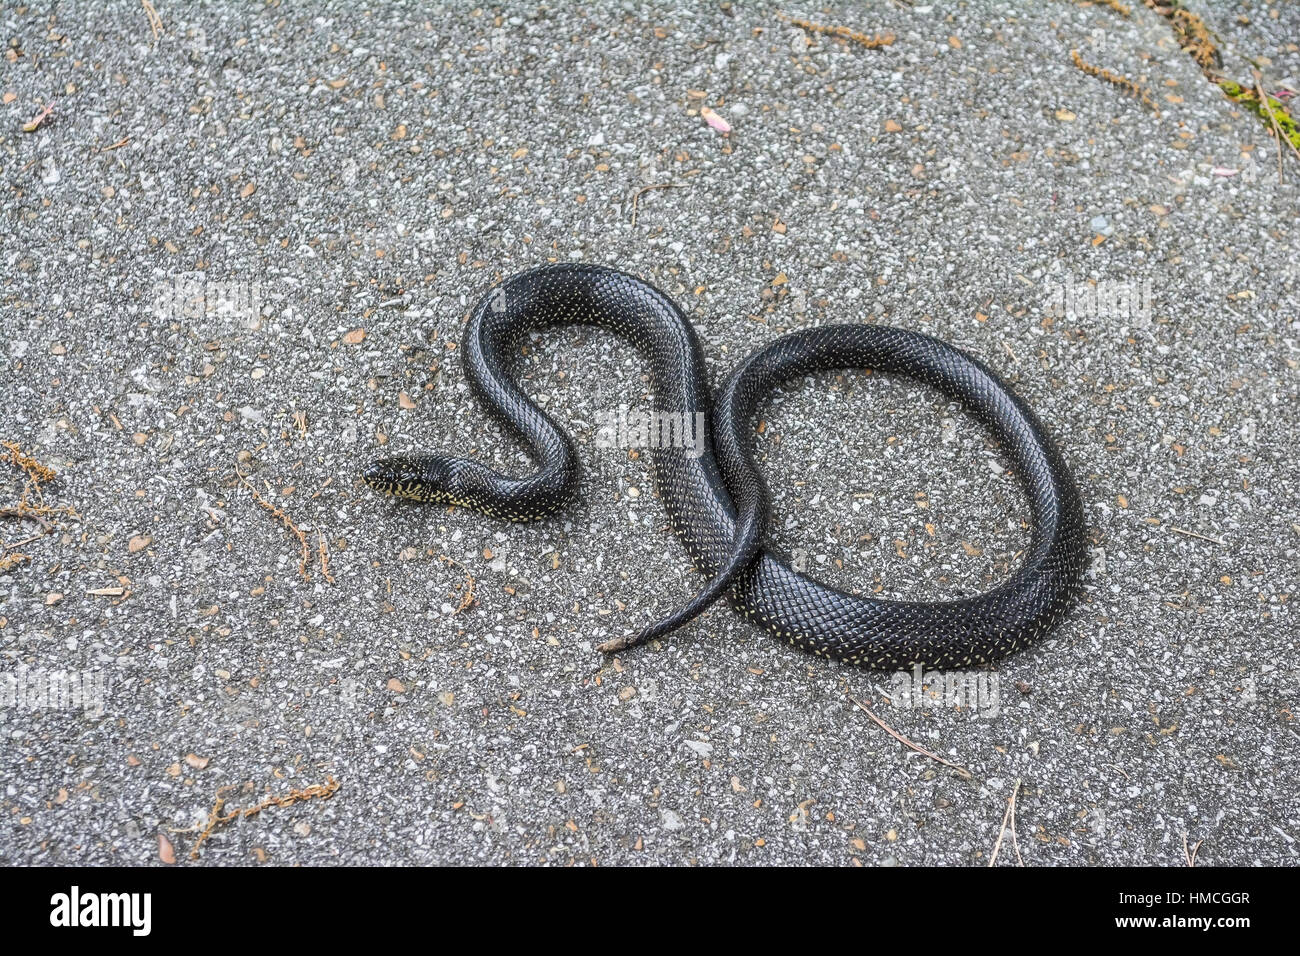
(714, 120)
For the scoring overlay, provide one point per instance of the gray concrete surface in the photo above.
(320, 173)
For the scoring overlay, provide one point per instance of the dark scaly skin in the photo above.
(717, 501)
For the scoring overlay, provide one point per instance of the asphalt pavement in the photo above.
(236, 259)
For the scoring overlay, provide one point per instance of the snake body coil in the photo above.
(715, 495)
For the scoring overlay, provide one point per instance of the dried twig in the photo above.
(216, 818)
(155, 21)
(27, 540)
(843, 33)
(33, 124)
(1118, 7)
(1008, 818)
(1277, 130)
(36, 472)
(278, 512)
(1014, 844)
(1194, 36)
(37, 475)
(325, 558)
(30, 514)
(13, 560)
(1194, 534)
(1190, 854)
(1123, 82)
(961, 771)
(467, 598)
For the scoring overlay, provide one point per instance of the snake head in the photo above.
(434, 478)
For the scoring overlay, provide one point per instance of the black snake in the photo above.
(715, 495)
